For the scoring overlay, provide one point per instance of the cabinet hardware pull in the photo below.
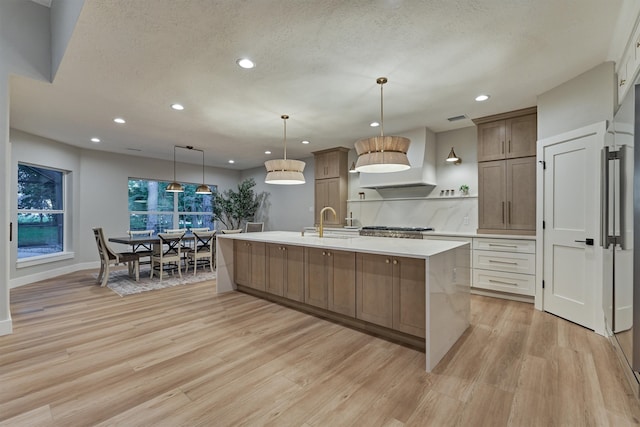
(323, 253)
(387, 260)
(503, 262)
(637, 44)
(328, 253)
(502, 283)
(622, 82)
(395, 261)
(503, 212)
(502, 148)
(508, 212)
(502, 245)
(509, 148)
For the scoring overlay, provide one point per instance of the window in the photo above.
(41, 211)
(152, 208)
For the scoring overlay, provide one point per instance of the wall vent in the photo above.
(456, 118)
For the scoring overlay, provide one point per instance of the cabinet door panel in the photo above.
(522, 136)
(342, 282)
(258, 265)
(294, 277)
(521, 190)
(334, 200)
(275, 269)
(242, 263)
(491, 141)
(491, 187)
(409, 296)
(321, 197)
(315, 284)
(374, 289)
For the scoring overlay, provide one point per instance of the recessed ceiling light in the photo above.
(481, 98)
(178, 107)
(305, 142)
(232, 161)
(374, 124)
(267, 152)
(245, 63)
(119, 120)
(95, 140)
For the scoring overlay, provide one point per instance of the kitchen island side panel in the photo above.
(448, 301)
(224, 266)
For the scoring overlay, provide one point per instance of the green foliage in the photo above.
(233, 208)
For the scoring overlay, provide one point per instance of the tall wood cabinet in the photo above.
(331, 181)
(507, 172)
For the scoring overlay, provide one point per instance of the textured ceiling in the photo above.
(317, 61)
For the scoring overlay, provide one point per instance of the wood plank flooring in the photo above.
(81, 355)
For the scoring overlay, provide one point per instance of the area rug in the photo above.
(122, 284)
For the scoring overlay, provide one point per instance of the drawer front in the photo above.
(505, 245)
(504, 261)
(522, 284)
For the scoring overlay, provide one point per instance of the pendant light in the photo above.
(175, 186)
(284, 171)
(380, 154)
(202, 188)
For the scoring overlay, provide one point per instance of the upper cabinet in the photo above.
(507, 136)
(330, 163)
(507, 172)
(628, 65)
(331, 173)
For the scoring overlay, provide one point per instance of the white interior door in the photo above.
(572, 264)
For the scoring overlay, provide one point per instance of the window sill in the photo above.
(44, 259)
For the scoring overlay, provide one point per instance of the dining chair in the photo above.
(187, 244)
(200, 230)
(234, 231)
(144, 250)
(253, 227)
(108, 257)
(167, 253)
(204, 250)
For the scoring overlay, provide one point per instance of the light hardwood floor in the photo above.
(184, 356)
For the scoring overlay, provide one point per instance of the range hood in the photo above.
(421, 154)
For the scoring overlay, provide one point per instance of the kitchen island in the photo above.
(414, 291)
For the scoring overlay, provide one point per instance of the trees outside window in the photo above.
(41, 211)
(151, 207)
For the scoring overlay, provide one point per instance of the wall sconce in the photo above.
(176, 187)
(453, 158)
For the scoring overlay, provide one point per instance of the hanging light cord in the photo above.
(174, 163)
(202, 151)
(284, 117)
(381, 82)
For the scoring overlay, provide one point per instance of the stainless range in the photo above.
(398, 232)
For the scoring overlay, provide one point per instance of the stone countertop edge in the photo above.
(486, 236)
(411, 248)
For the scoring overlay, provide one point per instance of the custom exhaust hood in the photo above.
(421, 154)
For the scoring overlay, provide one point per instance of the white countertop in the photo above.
(488, 236)
(412, 248)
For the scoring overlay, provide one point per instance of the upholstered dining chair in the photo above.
(254, 227)
(144, 250)
(204, 250)
(109, 257)
(167, 253)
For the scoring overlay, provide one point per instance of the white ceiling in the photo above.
(317, 61)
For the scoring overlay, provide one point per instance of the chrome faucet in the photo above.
(326, 208)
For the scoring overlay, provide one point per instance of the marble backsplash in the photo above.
(445, 214)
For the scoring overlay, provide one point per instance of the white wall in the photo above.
(586, 99)
(99, 193)
(289, 207)
(24, 49)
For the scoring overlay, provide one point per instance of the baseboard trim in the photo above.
(32, 278)
(628, 372)
(503, 295)
(6, 327)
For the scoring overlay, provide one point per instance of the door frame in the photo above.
(599, 130)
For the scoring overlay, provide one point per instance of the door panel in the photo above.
(521, 184)
(572, 269)
(491, 183)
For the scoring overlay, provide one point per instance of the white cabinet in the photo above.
(505, 265)
(628, 65)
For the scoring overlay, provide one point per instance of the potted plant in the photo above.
(464, 189)
(234, 208)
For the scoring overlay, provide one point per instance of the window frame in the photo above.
(64, 253)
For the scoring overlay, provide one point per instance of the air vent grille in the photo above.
(456, 118)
